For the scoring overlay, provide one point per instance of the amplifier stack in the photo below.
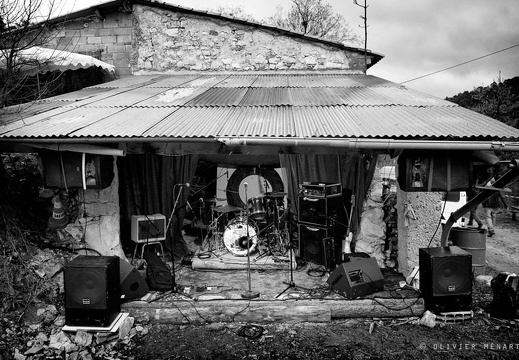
(322, 221)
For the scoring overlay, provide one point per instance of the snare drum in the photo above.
(235, 236)
(257, 208)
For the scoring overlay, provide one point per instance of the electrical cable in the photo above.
(460, 64)
(251, 331)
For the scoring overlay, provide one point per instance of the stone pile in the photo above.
(38, 332)
(50, 341)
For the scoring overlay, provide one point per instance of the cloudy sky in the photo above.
(419, 37)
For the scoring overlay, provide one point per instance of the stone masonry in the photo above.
(153, 39)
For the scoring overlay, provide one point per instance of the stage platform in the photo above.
(217, 289)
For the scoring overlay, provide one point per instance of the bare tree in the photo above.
(24, 24)
(314, 17)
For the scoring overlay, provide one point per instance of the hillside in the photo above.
(499, 100)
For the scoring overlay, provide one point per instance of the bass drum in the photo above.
(235, 236)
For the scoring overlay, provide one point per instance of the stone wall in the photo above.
(417, 216)
(170, 41)
(418, 225)
(153, 39)
(99, 216)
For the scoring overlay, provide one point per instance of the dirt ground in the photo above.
(503, 248)
(479, 337)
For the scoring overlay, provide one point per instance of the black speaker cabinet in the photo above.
(445, 278)
(92, 291)
(324, 211)
(67, 169)
(319, 244)
(356, 278)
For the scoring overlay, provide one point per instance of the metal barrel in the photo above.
(473, 241)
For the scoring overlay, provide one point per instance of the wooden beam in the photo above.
(259, 311)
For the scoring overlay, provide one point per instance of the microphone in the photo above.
(245, 184)
(186, 185)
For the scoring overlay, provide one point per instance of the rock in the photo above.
(484, 280)
(59, 321)
(141, 329)
(59, 341)
(42, 337)
(35, 349)
(49, 318)
(125, 327)
(428, 319)
(83, 338)
(18, 355)
(85, 355)
(103, 337)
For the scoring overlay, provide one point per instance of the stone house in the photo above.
(198, 90)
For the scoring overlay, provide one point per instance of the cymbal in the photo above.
(226, 208)
(275, 194)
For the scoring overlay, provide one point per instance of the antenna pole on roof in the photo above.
(365, 26)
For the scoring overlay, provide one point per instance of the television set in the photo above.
(148, 228)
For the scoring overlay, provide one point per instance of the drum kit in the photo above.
(260, 226)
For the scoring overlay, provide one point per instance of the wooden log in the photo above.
(380, 308)
(179, 312)
(259, 311)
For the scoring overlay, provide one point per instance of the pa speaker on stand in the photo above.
(445, 278)
(92, 291)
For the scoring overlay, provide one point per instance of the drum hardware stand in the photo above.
(291, 283)
(271, 230)
(268, 251)
(212, 231)
(249, 294)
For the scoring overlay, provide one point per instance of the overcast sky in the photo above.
(418, 37)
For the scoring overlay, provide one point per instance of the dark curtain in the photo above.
(150, 184)
(353, 171)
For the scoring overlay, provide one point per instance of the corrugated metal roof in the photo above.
(208, 105)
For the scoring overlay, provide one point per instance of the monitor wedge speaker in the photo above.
(445, 278)
(92, 291)
(133, 284)
(358, 277)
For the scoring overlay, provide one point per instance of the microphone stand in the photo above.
(174, 285)
(291, 283)
(249, 294)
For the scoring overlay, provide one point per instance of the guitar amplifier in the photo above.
(320, 190)
(326, 210)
